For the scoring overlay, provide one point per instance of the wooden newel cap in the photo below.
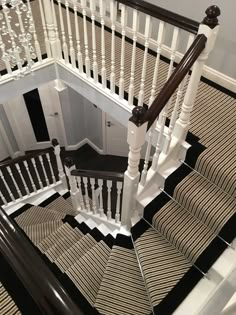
(69, 162)
(54, 142)
(212, 13)
(138, 115)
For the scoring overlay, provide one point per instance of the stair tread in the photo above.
(38, 232)
(122, 290)
(60, 204)
(206, 201)
(7, 305)
(186, 233)
(75, 252)
(87, 272)
(161, 263)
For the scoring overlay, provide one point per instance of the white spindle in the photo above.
(101, 210)
(113, 13)
(44, 171)
(72, 50)
(30, 176)
(64, 43)
(160, 40)
(37, 173)
(103, 70)
(87, 203)
(122, 58)
(144, 69)
(81, 197)
(57, 150)
(176, 106)
(3, 199)
(134, 29)
(74, 191)
(5, 56)
(119, 186)
(95, 65)
(14, 182)
(94, 204)
(86, 46)
(109, 185)
(50, 166)
(7, 187)
(59, 49)
(77, 35)
(47, 43)
(22, 179)
(33, 30)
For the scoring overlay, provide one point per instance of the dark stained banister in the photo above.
(99, 174)
(45, 289)
(163, 15)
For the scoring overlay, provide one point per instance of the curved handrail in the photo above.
(175, 79)
(45, 289)
(163, 15)
(99, 174)
(24, 157)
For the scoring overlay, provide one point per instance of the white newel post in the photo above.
(74, 190)
(50, 27)
(136, 137)
(209, 28)
(57, 151)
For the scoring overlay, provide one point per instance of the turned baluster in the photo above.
(94, 204)
(37, 173)
(109, 214)
(77, 35)
(3, 199)
(87, 203)
(44, 170)
(86, 46)
(71, 44)
(57, 150)
(74, 191)
(119, 186)
(135, 27)
(47, 43)
(95, 65)
(64, 43)
(5, 56)
(122, 58)
(22, 179)
(30, 176)
(143, 75)
(136, 137)
(14, 182)
(113, 13)
(81, 197)
(101, 210)
(50, 166)
(102, 13)
(58, 41)
(7, 187)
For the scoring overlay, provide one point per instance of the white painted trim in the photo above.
(73, 147)
(100, 151)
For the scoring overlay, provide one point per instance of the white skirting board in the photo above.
(73, 147)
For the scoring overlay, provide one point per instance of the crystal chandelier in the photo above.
(16, 28)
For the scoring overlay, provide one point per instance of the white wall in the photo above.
(223, 58)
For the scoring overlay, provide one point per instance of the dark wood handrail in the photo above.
(163, 15)
(45, 289)
(99, 174)
(175, 79)
(24, 157)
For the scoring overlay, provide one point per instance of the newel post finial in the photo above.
(138, 115)
(211, 18)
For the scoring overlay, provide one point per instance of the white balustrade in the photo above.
(37, 173)
(47, 43)
(103, 70)
(3, 199)
(101, 209)
(58, 42)
(81, 197)
(14, 182)
(86, 196)
(86, 45)
(94, 203)
(109, 185)
(95, 64)
(144, 69)
(22, 179)
(57, 151)
(113, 13)
(50, 166)
(30, 176)
(119, 186)
(74, 191)
(5, 56)
(135, 27)
(44, 170)
(122, 58)
(71, 44)
(77, 35)
(7, 187)
(63, 36)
